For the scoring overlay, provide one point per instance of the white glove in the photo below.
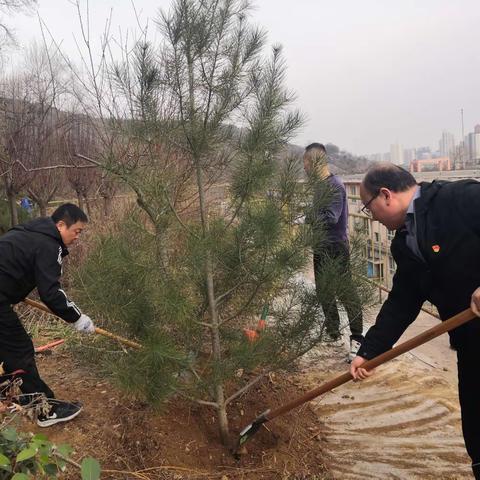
(84, 324)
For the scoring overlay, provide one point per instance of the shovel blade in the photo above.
(249, 431)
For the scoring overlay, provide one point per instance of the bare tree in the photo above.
(17, 116)
(42, 136)
(47, 149)
(81, 137)
(7, 8)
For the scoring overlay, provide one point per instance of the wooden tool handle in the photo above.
(414, 342)
(98, 330)
(120, 339)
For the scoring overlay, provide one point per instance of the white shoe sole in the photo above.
(54, 421)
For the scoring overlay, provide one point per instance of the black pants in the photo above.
(334, 261)
(469, 394)
(17, 353)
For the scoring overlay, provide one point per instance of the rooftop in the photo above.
(426, 176)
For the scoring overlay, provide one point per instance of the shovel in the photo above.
(453, 322)
(99, 331)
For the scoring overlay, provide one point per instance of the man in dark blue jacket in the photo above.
(437, 251)
(31, 256)
(331, 256)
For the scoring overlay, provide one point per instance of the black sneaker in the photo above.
(60, 412)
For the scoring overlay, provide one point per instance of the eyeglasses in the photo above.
(365, 210)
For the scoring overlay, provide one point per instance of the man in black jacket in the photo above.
(437, 251)
(31, 256)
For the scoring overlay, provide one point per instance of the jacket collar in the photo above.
(428, 191)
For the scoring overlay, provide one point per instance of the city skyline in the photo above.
(366, 74)
(447, 146)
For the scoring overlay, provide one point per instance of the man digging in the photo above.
(437, 252)
(31, 256)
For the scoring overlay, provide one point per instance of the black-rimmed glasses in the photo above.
(365, 209)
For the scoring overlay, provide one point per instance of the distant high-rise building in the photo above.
(423, 153)
(457, 159)
(408, 156)
(396, 154)
(466, 149)
(447, 145)
(476, 148)
(470, 147)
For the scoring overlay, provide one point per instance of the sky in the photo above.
(367, 73)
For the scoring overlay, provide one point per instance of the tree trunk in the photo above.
(222, 416)
(217, 354)
(87, 203)
(215, 328)
(43, 208)
(13, 209)
(12, 204)
(212, 305)
(80, 201)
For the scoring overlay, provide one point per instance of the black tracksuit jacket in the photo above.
(447, 218)
(31, 256)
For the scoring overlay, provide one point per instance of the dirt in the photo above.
(403, 423)
(180, 442)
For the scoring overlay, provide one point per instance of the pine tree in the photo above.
(209, 119)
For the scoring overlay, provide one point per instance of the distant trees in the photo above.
(38, 135)
(7, 7)
(81, 137)
(346, 161)
(17, 117)
(33, 130)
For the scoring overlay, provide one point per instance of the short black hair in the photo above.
(388, 175)
(317, 146)
(70, 214)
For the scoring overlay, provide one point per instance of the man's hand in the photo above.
(475, 305)
(357, 372)
(84, 324)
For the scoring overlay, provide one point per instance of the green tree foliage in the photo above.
(200, 142)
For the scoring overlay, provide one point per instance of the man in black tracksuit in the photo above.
(31, 256)
(437, 251)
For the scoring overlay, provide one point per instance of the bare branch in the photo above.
(247, 387)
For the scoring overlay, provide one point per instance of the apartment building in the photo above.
(380, 264)
(431, 165)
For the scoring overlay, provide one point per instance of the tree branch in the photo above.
(245, 388)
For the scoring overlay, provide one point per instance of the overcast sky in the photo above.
(367, 73)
